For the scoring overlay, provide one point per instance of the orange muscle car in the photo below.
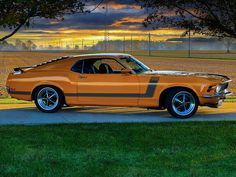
(115, 80)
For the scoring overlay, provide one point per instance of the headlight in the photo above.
(218, 88)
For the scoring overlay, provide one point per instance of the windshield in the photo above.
(135, 64)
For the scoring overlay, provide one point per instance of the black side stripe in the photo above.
(19, 92)
(149, 92)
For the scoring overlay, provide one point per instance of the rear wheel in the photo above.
(49, 99)
(181, 103)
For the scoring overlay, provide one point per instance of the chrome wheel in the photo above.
(183, 103)
(48, 98)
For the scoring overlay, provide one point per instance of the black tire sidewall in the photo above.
(169, 107)
(60, 100)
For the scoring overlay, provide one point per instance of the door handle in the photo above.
(82, 77)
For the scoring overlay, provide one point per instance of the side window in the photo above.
(78, 66)
(97, 66)
(89, 67)
(108, 66)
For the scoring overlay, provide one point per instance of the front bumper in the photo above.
(220, 95)
(216, 105)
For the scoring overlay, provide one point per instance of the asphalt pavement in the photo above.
(28, 114)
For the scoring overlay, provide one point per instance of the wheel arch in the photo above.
(45, 85)
(165, 92)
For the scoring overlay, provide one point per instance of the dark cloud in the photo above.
(118, 10)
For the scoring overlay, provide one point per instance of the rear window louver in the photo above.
(51, 61)
(19, 70)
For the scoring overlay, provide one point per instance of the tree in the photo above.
(68, 47)
(18, 44)
(24, 47)
(34, 47)
(228, 43)
(209, 17)
(29, 45)
(15, 14)
(76, 47)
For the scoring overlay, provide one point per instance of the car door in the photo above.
(102, 83)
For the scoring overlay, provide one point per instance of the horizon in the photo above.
(121, 19)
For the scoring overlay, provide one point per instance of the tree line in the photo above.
(18, 46)
(197, 43)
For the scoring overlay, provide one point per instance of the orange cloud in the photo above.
(125, 20)
(64, 36)
(53, 22)
(116, 6)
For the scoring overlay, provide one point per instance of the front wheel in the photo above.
(49, 99)
(181, 103)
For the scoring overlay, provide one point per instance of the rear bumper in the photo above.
(221, 95)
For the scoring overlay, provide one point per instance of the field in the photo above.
(203, 61)
(167, 149)
(137, 149)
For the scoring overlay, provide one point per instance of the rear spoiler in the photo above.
(20, 70)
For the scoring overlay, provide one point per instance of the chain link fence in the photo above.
(140, 44)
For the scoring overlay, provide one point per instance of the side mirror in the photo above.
(125, 71)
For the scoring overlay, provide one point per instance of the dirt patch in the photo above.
(9, 60)
(225, 67)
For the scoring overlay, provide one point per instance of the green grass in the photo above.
(231, 99)
(12, 101)
(102, 150)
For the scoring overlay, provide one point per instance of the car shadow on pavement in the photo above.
(94, 114)
(88, 110)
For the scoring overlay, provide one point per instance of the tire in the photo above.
(49, 99)
(181, 103)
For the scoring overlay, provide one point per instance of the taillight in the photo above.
(17, 71)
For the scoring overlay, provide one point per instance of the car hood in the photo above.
(193, 74)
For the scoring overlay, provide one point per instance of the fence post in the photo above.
(149, 44)
(124, 45)
(93, 47)
(189, 43)
(131, 43)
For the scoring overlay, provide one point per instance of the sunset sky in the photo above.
(124, 18)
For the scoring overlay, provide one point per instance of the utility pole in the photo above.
(105, 30)
(149, 44)
(82, 48)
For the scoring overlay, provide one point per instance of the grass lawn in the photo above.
(231, 99)
(12, 101)
(89, 150)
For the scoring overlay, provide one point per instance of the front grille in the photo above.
(223, 87)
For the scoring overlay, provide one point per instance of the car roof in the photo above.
(101, 54)
(107, 54)
(82, 57)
